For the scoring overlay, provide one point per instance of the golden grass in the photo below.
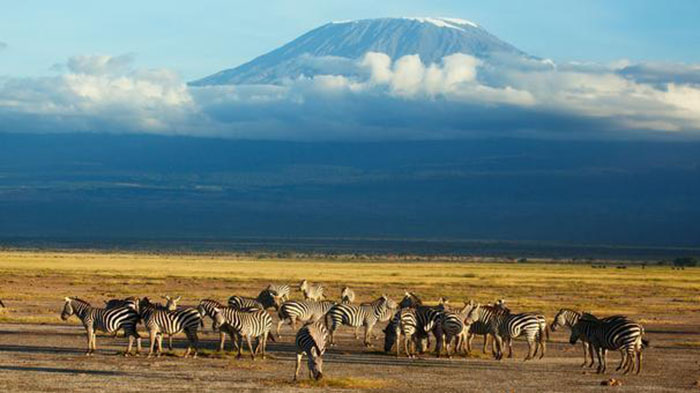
(649, 292)
(343, 383)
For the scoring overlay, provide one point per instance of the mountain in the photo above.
(339, 44)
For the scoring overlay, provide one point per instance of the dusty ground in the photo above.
(38, 352)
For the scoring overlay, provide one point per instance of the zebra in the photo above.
(131, 301)
(206, 308)
(449, 325)
(266, 299)
(403, 323)
(504, 325)
(2, 305)
(312, 291)
(248, 324)
(427, 317)
(281, 290)
(612, 333)
(568, 318)
(366, 315)
(106, 320)
(347, 295)
(160, 320)
(311, 340)
(302, 311)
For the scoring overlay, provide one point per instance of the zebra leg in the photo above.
(131, 345)
(584, 345)
(639, 360)
(357, 332)
(222, 340)
(531, 348)
(153, 337)
(368, 334)
(170, 342)
(499, 346)
(89, 342)
(543, 345)
(509, 340)
(298, 366)
(280, 322)
(250, 346)
(159, 344)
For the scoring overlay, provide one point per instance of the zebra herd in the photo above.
(452, 329)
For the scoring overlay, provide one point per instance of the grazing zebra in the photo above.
(160, 320)
(281, 291)
(403, 323)
(410, 299)
(266, 299)
(311, 340)
(206, 308)
(312, 291)
(612, 333)
(105, 320)
(248, 324)
(302, 311)
(347, 295)
(366, 315)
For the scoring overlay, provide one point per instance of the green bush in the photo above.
(685, 262)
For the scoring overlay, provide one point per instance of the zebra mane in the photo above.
(79, 300)
(218, 304)
(586, 316)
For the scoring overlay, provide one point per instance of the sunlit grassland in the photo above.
(652, 292)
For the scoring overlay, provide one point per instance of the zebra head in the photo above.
(67, 309)
(560, 320)
(390, 335)
(171, 304)
(218, 318)
(473, 313)
(316, 363)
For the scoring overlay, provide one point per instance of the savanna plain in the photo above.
(39, 352)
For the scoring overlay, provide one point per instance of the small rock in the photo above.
(611, 382)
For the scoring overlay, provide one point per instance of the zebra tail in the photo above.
(546, 332)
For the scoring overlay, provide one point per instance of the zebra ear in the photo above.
(166, 297)
(177, 299)
(67, 299)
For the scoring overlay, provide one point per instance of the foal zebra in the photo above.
(311, 340)
(312, 291)
(612, 333)
(302, 311)
(248, 324)
(160, 320)
(105, 320)
(347, 295)
(367, 315)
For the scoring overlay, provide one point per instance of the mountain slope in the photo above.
(337, 43)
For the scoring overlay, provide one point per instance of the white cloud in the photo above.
(375, 98)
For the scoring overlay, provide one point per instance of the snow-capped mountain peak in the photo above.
(328, 49)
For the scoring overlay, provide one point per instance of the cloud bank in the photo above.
(371, 98)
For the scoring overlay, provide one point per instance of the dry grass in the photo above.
(32, 276)
(341, 383)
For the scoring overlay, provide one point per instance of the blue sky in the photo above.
(199, 38)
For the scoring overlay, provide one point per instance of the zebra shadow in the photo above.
(63, 370)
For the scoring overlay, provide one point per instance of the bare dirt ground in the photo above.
(49, 358)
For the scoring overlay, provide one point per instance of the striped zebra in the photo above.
(131, 301)
(312, 291)
(160, 321)
(106, 320)
(503, 325)
(404, 323)
(311, 340)
(281, 291)
(568, 318)
(206, 308)
(427, 318)
(612, 333)
(2, 304)
(449, 326)
(347, 295)
(266, 299)
(302, 311)
(367, 315)
(249, 324)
